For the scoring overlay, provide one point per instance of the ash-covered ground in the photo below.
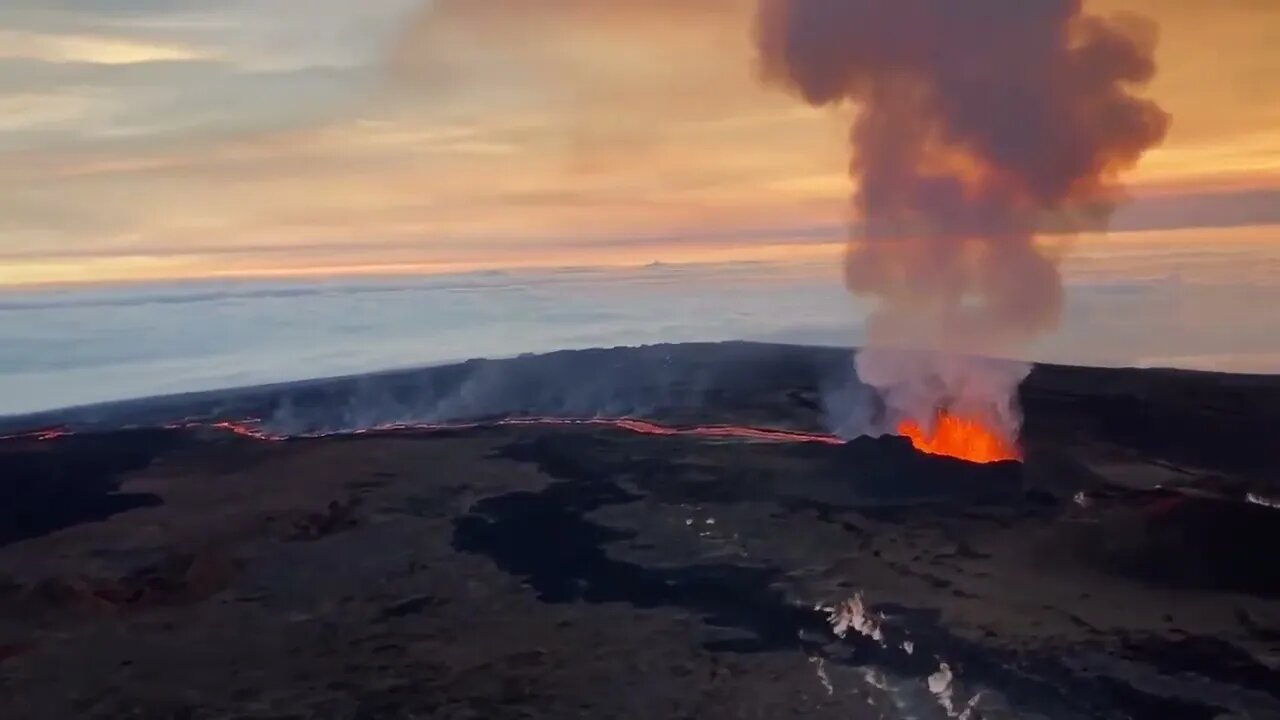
(1125, 570)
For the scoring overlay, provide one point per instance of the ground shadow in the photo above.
(48, 485)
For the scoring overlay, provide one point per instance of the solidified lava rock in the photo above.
(78, 595)
(177, 580)
(47, 486)
(1191, 543)
(338, 516)
(13, 650)
(889, 471)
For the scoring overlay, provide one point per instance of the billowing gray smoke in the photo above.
(981, 125)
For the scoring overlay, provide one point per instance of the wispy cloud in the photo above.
(87, 49)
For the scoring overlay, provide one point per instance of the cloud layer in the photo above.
(1176, 299)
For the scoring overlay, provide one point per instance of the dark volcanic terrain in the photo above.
(550, 570)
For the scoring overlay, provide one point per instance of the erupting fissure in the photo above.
(983, 128)
(948, 434)
(253, 428)
(958, 437)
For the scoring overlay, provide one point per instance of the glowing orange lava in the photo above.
(959, 437)
(952, 436)
(253, 428)
(41, 435)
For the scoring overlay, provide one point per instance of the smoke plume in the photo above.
(981, 125)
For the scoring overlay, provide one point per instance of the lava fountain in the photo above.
(959, 437)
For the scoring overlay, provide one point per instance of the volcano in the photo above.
(666, 531)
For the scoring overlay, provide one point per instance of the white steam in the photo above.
(913, 385)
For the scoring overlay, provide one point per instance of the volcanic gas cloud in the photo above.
(981, 125)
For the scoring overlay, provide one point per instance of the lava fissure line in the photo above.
(961, 442)
(253, 428)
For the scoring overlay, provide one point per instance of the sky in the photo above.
(171, 139)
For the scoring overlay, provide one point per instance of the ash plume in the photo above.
(981, 126)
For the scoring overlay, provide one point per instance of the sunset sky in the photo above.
(148, 139)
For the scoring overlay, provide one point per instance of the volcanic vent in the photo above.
(982, 128)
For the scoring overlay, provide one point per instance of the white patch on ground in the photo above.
(943, 686)
(820, 667)
(940, 691)
(852, 614)
(1266, 502)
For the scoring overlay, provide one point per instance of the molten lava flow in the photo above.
(253, 428)
(958, 437)
(41, 435)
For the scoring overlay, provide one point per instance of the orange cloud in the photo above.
(499, 130)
